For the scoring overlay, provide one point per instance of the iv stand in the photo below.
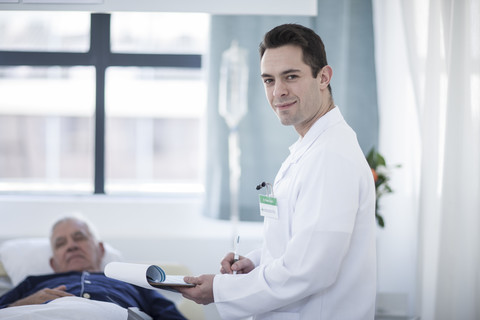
(233, 106)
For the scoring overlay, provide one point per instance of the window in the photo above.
(77, 116)
(46, 128)
(45, 31)
(153, 125)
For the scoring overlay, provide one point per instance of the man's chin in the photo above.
(78, 264)
(285, 121)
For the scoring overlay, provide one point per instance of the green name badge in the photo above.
(268, 206)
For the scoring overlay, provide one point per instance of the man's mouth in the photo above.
(284, 105)
(75, 256)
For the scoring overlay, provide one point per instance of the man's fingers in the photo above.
(226, 263)
(192, 280)
(58, 292)
(61, 287)
(236, 267)
(188, 292)
(185, 291)
(243, 266)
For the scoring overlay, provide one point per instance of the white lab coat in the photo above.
(318, 258)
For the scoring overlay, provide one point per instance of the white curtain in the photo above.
(428, 75)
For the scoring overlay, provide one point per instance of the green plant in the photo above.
(381, 177)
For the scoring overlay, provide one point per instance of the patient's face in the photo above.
(74, 248)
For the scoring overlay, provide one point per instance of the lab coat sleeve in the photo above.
(254, 256)
(326, 192)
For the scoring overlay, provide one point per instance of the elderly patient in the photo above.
(77, 256)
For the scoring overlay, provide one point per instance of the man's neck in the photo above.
(302, 131)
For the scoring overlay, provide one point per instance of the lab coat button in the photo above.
(86, 295)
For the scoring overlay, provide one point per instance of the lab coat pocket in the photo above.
(277, 231)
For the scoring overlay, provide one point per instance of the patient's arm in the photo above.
(42, 296)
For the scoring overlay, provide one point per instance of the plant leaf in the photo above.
(380, 221)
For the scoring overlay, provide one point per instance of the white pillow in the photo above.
(31, 256)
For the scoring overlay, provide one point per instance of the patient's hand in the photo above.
(43, 296)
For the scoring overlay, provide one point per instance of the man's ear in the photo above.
(325, 74)
(101, 247)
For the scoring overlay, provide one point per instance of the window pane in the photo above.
(153, 127)
(160, 32)
(46, 128)
(44, 31)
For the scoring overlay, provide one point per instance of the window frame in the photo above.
(100, 57)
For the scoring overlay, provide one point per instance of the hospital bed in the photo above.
(30, 256)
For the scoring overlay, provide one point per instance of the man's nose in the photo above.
(72, 245)
(280, 89)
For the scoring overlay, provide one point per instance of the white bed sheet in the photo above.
(71, 308)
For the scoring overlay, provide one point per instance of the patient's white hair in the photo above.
(76, 216)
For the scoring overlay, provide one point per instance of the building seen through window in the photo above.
(49, 113)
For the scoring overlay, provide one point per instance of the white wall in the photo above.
(271, 7)
(143, 229)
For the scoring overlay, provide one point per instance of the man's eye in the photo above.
(267, 81)
(292, 76)
(59, 244)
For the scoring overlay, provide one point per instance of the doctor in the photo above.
(318, 256)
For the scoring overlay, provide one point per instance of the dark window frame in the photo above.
(100, 57)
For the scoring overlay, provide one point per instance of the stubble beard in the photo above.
(285, 117)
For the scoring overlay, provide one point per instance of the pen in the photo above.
(235, 251)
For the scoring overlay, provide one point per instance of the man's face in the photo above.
(297, 98)
(74, 248)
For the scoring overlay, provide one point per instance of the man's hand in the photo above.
(202, 293)
(42, 296)
(243, 265)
